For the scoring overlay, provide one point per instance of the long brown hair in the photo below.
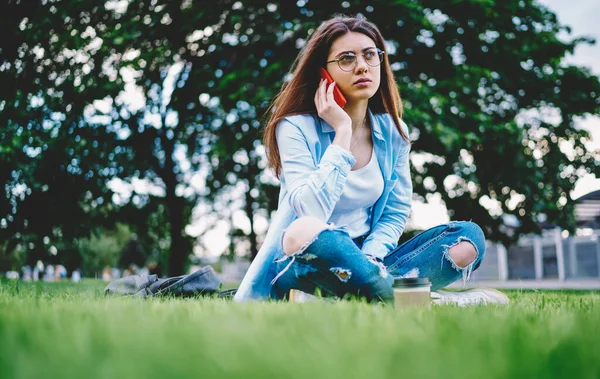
(297, 96)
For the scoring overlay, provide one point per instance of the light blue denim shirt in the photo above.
(312, 180)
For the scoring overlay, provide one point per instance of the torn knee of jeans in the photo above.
(448, 257)
(330, 226)
(300, 253)
(382, 269)
(341, 273)
(466, 270)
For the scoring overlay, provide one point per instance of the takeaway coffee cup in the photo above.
(412, 292)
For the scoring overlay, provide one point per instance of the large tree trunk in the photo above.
(179, 249)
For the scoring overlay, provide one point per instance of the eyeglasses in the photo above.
(347, 61)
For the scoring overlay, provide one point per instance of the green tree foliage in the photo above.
(104, 248)
(53, 165)
(57, 153)
(205, 72)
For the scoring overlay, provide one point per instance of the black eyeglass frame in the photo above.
(380, 52)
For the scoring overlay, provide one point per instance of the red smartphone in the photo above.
(337, 94)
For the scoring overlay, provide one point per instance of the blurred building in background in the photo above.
(553, 255)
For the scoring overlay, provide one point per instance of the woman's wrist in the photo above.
(343, 136)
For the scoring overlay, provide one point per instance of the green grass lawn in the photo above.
(64, 330)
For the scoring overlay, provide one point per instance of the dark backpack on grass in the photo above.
(202, 282)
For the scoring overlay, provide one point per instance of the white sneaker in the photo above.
(469, 296)
(297, 296)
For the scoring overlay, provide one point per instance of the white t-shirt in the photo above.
(362, 189)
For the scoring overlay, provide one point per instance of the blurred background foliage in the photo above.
(102, 248)
(139, 116)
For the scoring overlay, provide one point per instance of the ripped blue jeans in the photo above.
(334, 263)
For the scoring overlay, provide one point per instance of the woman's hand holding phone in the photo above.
(330, 110)
(337, 94)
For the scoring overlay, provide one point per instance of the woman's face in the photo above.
(361, 82)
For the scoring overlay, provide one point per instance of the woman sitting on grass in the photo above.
(345, 182)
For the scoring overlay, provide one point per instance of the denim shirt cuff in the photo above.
(339, 157)
(375, 249)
